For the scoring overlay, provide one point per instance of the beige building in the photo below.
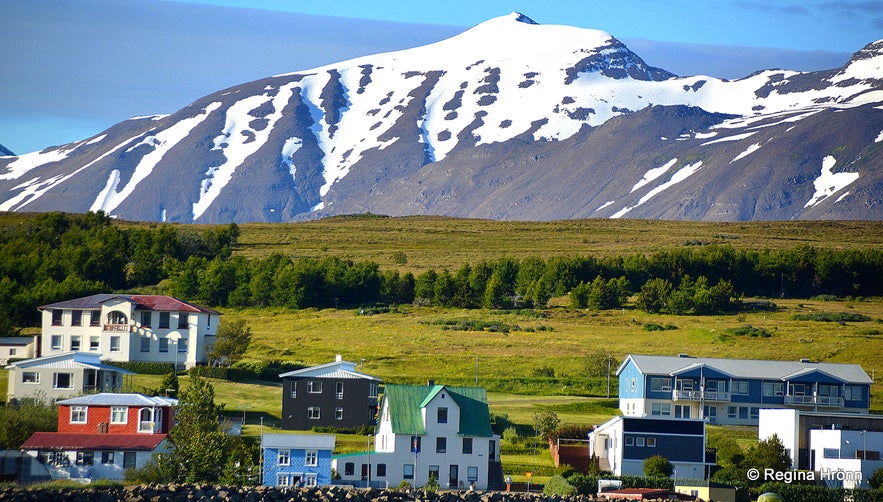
(61, 376)
(16, 347)
(150, 328)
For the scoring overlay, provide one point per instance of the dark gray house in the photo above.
(329, 395)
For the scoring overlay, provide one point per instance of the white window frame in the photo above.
(55, 380)
(314, 413)
(79, 414)
(338, 413)
(311, 458)
(640, 441)
(283, 457)
(94, 343)
(115, 344)
(338, 390)
(116, 412)
(310, 480)
(282, 479)
(740, 388)
(651, 442)
(34, 381)
(314, 386)
(629, 441)
(55, 342)
(76, 343)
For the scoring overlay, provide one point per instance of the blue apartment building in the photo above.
(732, 391)
(296, 460)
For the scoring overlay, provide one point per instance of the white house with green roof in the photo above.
(429, 431)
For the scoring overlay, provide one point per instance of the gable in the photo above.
(406, 404)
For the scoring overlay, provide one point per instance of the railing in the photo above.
(814, 400)
(118, 328)
(697, 395)
(146, 426)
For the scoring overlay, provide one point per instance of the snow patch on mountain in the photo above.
(828, 183)
(748, 151)
(24, 163)
(244, 134)
(289, 148)
(654, 173)
(110, 197)
(679, 176)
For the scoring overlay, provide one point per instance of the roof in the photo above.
(336, 369)
(142, 302)
(111, 399)
(298, 441)
(69, 360)
(407, 401)
(64, 441)
(746, 368)
(16, 340)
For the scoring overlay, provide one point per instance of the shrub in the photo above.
(831, 317)
(750, 331)
(557, 485)
(658, 466)
(145, 367)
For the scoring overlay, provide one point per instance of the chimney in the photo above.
(430, 383)
(338, 358)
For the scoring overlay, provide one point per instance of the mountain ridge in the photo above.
(428, 130)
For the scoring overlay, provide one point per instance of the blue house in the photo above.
(732, 391)
(296, 459)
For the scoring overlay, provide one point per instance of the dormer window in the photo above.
(442, 415)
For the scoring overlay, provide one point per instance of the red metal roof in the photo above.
(64, 442)
(168, 303)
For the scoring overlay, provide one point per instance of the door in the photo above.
(454, 474)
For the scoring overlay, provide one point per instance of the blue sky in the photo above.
(76, 67)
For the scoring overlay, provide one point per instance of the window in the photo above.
(94, 318)
(853, 393)
(731, 411)
(12, 352)
(128, 460)
(467, 446)
(639, 441)
(441, 445)
(743, 413)
(164, 320)
(442, 415)
(85, 457)
(338, 392)
(163, 344)
(56, 342)
(183, 320)
(282, 480)
(829, 390)
(349, 469)
(293, 390)
(146, 317)
(114, 344)
(94, 343)
(119, 414)
(182, 346)
(314, 387)
(433, 472)
(755, 413)
(408, 471)
(75, 343)
(284, 457)
(30, 377)
(772, 389)
(372, 390)
(651, 442)
(63, 381)
(338, 413)
(739, 387)
(472, 473)
(831, 453)
(56, 317)
(660, 384)
(311, 458)
(634, 385)
(107, 457)
(381, 470)
(310, 480)
(660, 409)
(313, 413)
(78, 414)
(629, 441)
(117, 317)
(145, 344)
(76, 318)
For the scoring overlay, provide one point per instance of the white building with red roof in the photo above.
(101, 435)
(150, 328)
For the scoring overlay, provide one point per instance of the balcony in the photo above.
(118, 328)
(696, 395)
(829, 401)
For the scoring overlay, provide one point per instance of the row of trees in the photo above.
(54, 256)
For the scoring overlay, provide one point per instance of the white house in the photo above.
(429, 431)
(63, 375)
(621, 445)
(16, 347)
(843, 450)
(130, 328)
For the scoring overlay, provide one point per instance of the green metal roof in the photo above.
(406, 402)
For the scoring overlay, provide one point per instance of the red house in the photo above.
(101, 435)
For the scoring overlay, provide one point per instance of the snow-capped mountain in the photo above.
(508, 120)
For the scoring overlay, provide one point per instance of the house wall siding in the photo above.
(297, 466)
(358, 407)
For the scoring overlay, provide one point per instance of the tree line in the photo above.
(54, 257)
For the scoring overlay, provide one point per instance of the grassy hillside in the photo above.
(437, 242)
